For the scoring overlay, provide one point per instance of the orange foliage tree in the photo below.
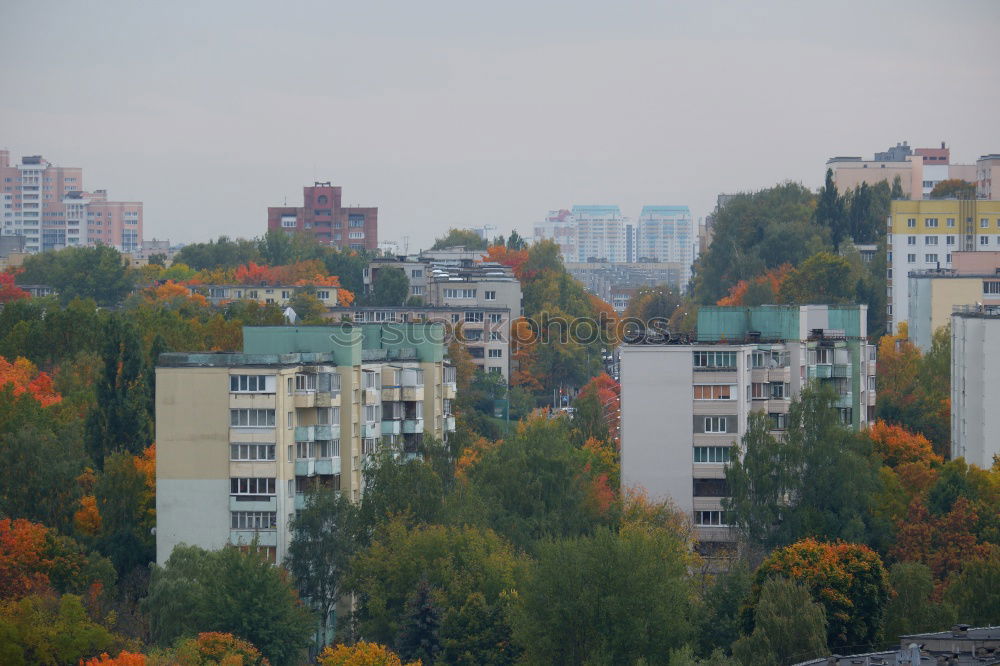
(24, 564)
(847, 578)
(214, 647)
(9, 291)
(524, 351)
(124, 658)
(501, 254)
(944, 543)
(361, 654)
(897, 445)
(26, 378)
(773, 278)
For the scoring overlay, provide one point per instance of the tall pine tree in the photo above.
(419, 636)
(121, 419)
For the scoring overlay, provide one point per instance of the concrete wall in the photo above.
(975, 388)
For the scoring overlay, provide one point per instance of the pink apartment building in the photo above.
(48, 206)
(327, 220)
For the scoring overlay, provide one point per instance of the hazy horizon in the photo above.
(452, 114)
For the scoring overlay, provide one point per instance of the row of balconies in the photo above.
(397, 394)
(317, 466)
(317, 433)
(829, 371)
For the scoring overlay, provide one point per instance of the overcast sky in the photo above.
(468, 113)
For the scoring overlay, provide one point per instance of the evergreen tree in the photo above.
(789, 627)
(121, 419)
(830, 210)
(419, 633)
(516, 242)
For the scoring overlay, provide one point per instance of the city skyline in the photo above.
(446, 118)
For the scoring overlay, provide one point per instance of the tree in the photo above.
(324, 538)
(912, 608)
(46, 629)
(897, 445)
(9, 291)
(942, 542)
(419, 632)
(975, 592)
(307, 305)
(515, 241)
(830, 210)
(822, 278)
(391, 287)
(98, 272)
(361, 654)
(125, 499)
(276, 247)
(789, 626)
(121, 420)
(649, 303)
(579, 602)
(209, 648)
(231, 590)
(718, 619)
(466, 238)
(455, 562)
(220, 253)
(847, 579)
(396, 486)
(954, 188)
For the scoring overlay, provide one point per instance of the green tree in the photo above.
(419, 632)
(50, 630)
(276, 248)
(718, 620)
(975, 592)
(307, 305)
(788, 627)
(99, 272)
(516, 242)
(229, 590)
(830, 210)
(954, 188)
(579, 603)
(221, 253)
(121, 419)
(396, 486)
(912, 609)
(658, 302)
(127, 508)
(391, 287)
(822, 278)
(466, 238)
(324, 538)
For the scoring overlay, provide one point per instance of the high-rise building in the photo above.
(975, 384)
(924, 234)
(242, 436)
(918, 170)
(667, 234)
(685, 404)
(324, 216)
(987, 172)
(49, 207)
(559, 226)
(600, 233)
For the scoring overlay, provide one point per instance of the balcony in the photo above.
(305, 467)
(778, 374)
(307, 399)
(392, 427)
(253, 503)
(450, 390)
(845, 400)
(328, 466)
(449, 423)
(391, 394)
(300, 501)
(370, 396)
(413, 393)
(316, 433)
(841, 370)
(411, 426)
(824, 371)
(373, 429)
(246, 537)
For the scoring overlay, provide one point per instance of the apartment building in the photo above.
(685, 404)
(975, 384)
(264, 294)
(987, 173)
(485, 331)
(925, 234)
(559, 226)
(918, 170)
(974, 278)
(49, 207)
(667, 234)
(611, 280)
(241, 436)
(600, 234)
(325, 217)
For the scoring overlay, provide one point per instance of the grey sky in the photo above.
(470, 113)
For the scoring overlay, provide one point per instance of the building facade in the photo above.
(49, 207)
(918, 170)
(975, 384)
(325, 217)
(924, 234)
(974, 278)
(611, 281)
(600, 233)
(242, 436)
(667, 234)
(684, 405)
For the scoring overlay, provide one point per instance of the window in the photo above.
(949, 240)
(417, 273)
(305, 382)
(950, 222)
(846, 415)
(327, 415)
(984, 223)
(709, 488)
(373, 413)
(416, 291)
(355, 235)
(459, 293)
(474, 317)
(490, 295)
(715, 424)
(252, 383)
(495, 336)
(984, 240)
(823, 355)
(911, 258)
(871, 382)
(711, 454)
(911, 222)
(288, 222)
(930, 221)
(304, 450)
(356, 221)
(251, 418)
(496, 317)
(254, 485)
(779, 390)
(947, 257)
(930, 240)
(715, 391)
(709, 518)
(495, 353)
(254, 520)
(323, 295)
(369, 446)
(328, 448)
(930, 258)
(760, 390)
(251, 451)
(715, 359)
(911, 240)
(991, 288)
(778, 421)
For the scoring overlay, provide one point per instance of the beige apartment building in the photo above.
(973, 279)
(242, 436)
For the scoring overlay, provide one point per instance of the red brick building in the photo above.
(323, 216)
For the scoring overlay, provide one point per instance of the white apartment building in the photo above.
(600, 234)
(667, 234)
(975, 384)
(685, 405)
(242, 436)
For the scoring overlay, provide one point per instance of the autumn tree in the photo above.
(942, 542)
(361, 653)
(912, 608)
(954, 188)
(788, 626)
(9, 291)
(822, 278)
(848, 579)
(47, 629)
(466, 238)
(121, 420)
(975, 591)
(125, 500)
(897, 446)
